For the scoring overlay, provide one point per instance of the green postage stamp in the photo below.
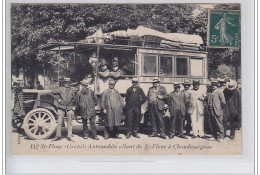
(224, 28)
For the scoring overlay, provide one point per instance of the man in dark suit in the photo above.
(177, 110)
(214, 108)
(156, 96)
(135, 97)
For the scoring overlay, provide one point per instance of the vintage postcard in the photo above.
(126, 79)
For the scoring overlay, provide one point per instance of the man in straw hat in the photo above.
(215, 103)
(87, 100)
(66, 100)
(196, 110)
(112, 105)
(135, 97)
(232, 110)
(177, 111)
(156, 96)
(187, 116)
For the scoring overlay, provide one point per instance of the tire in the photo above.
(39, 124)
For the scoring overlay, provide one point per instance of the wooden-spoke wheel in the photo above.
(39, 123)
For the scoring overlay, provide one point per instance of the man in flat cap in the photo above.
(66, 101)
(116, 72)
(87, 100)
(187, 96)
(112, 105)
(177, 110)
(135, 97)
(196, 110)
(215, 104)
(156, 96)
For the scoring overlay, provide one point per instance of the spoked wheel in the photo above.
(39, 123)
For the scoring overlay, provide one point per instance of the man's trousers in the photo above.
(177, 122)
(156, 118)
(133, 119)
(92, 121)
(216, 123)
(197, 122)
(61, 114)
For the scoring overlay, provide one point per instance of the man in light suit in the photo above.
(177, 111)
(156, 96)
(196, 110)
(214, 108)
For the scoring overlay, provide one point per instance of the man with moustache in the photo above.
(66, 99)
(187, 98)
(112, 105)
(135, 97)
(177, 111)
(196, 110)
(215, 104)
(87, 100)
(156, 96)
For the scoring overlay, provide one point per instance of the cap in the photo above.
(111, 82)
(156, 80)
(135, 80)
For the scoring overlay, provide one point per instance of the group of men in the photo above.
(191, 106)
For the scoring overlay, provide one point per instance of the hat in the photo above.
(111, 82)
(103, 62)
(177, 85)
(231, 85)
(135, 80)
(115, 59)
(114, 64)
(66, 79)
(94, 54)
(85, 82)
(186, 82)
(156, 80)
(92, 59)
(214, 83)
(196, 82)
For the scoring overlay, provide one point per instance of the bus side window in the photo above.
(166, 66)
(150, 65)
(181, 66)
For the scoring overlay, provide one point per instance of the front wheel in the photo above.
(39, 123)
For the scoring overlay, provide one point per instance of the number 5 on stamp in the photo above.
(224, 29)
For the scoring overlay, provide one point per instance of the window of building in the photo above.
(196, 67)
(166, 66)
(181, 66)
(150, 65)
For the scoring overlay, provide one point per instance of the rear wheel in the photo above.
(39, 123)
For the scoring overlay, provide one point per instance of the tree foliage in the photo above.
(33, 25)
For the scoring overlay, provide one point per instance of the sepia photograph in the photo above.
(126, 79)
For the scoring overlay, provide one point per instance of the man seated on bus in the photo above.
(104, 72)
(116, 72)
